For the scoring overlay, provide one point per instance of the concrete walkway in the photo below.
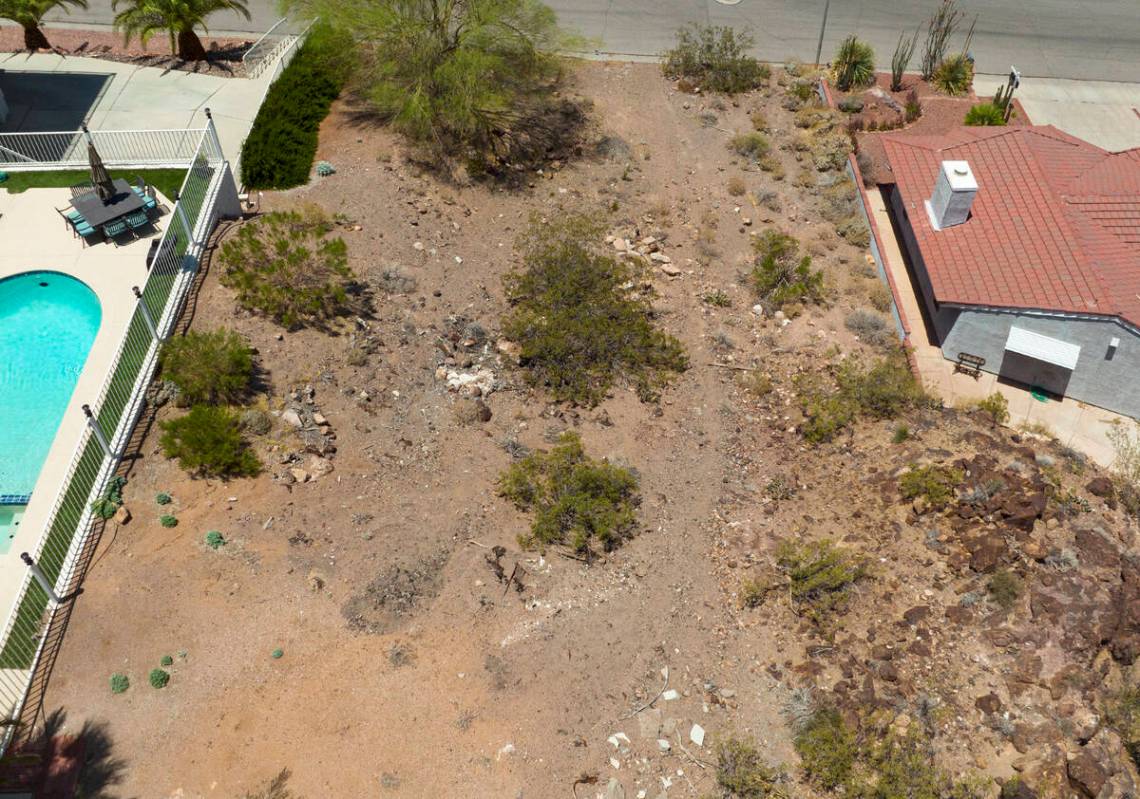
(1106, 114)
(149, 98)
(1075, 424)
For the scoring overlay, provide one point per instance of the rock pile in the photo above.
(318, 440)
(648, 250)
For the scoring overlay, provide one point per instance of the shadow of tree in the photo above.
(100, 770)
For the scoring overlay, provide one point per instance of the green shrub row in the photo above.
(279, 152)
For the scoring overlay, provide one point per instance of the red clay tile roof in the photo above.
(1055, 224)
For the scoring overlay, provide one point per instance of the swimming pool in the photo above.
(48, 322)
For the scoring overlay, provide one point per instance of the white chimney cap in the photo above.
(959, 176)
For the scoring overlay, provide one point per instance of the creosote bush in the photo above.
(882, 390)
(996, 406)
(985, 114)
(854, 64)
(285, 265)
(715, 59)
(208, 442)
(932, 482)
(576, 500)
(821, 575)
(827, 748)
(753, 145)
(742, 772)
(579, 326)
(213, 367)
(1004, 588)
(781, 275)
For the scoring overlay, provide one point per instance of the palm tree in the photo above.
(30, 13)
(178, 18)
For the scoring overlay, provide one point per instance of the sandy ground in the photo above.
(456, 685)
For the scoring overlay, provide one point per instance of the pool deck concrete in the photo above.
(1075, 424)
(36, 238)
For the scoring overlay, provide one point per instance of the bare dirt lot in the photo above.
(406, 665)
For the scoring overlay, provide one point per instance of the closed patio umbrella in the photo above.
(99, 175)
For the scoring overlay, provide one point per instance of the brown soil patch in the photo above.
(409, 667)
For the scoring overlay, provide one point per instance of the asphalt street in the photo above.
(1079, 39)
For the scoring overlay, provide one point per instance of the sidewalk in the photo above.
(1106, 114)
(149, 98)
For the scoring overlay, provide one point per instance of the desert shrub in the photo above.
(159, 678)
(255, 422)
(476, 81)
(168, 520)
(752, 593)
(827, 748)
(716, 59)
(1122, 712)
(901, 434)
(579, 327)
(576, 500)
(717, 298)
(107, 505)
(879, 296)
(213, 367)
(756, 383)
(1125, 440)
(1004, 588)
(166, 660)
(955, 75)
(208, 442)
(285, 266)
(996, 406)
(780, 274)
(821, 575)
(880, 391)
(871, 327)
(854, 231)
(985, 114)
(119, 683)
(913, 109)
(215, 540)
(759, 121)
(162, 498)
(742, 773)
(853, 66)
(901, 766)
(279, 151)
(933, 482)
(944, 22)
(774, 167)
(753, 145)
(736, 186)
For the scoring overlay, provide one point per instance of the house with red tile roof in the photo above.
(1025, 245)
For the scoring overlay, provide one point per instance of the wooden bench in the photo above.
(970, 364)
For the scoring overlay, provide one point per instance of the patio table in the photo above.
(98, 213)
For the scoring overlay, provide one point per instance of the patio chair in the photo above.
(146, 193)
(75, 221)
(115, 228)
(81, 189)
(137, 219)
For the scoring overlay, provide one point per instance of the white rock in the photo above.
(663, 745)
(660, 258)
(670, 695)
(697, 735)
(758, 309)
(419, 245)
(292, 417)
(671, 270)
(507, 749)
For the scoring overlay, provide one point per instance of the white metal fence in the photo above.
(139, 149)
(276, 47)
(114, 411)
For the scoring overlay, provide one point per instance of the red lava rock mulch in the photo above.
(223, 55)
(940, 113)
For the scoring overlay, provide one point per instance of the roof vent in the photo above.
(954, 191)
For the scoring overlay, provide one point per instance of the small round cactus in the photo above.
(162, 498)
(159, 678)
(324, 169)
(168, 520)
(215, 539)
(120, 683)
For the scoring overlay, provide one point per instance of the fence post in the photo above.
(93, 423)
(41, 578)
(150, 325)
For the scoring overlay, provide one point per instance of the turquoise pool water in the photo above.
(48, 322)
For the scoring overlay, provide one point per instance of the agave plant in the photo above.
(955, 75)
(854, 64)
(178, 18)
(28, 14)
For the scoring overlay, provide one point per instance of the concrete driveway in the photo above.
(1082, 39)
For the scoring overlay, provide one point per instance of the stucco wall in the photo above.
(1113, 383)
(941, 318)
